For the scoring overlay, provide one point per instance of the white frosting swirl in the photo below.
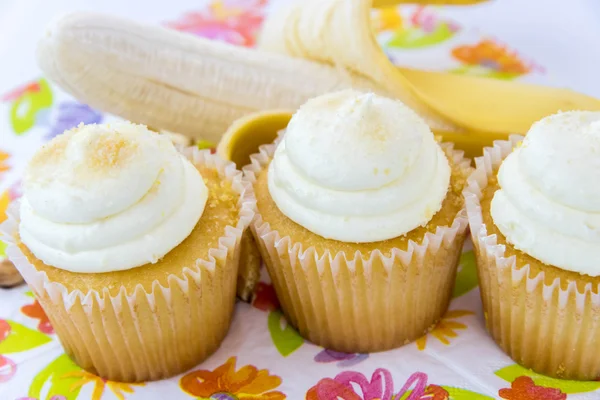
(103, 198)
(358, 167)
(548, 204)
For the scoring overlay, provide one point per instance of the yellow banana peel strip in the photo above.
(493, 106)
(246, 134)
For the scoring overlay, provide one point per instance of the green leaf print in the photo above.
(486, 72)
(21, 338)
(454, 393)
(2, 249)
(51, 377)
(286, 339)
(512, 372)
(464, 394)
(412, 38)
(466, 277)
(25, 108)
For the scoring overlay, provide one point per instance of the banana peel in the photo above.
(487, 107)
(492, 107)
(463, 105)
(247, 134)
(471, 142)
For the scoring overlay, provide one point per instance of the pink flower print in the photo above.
(55, 397)
(429, 22)
(18, 92)
(14, 192)
(8, 369)
(229, 21)
(379, 387)
(330, 389)
(419, 379)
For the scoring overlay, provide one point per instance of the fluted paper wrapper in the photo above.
(552, 328)
(147, 336)
(360, 303)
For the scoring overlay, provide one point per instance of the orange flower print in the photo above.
(435, 392)
(36, 311)
(4, 202)
(446, 328)
(387, 19)
(118, 388)
(3, 158)
(20, 91)
(225, 383)
(523, 388)
(5, 198)
(492, 56)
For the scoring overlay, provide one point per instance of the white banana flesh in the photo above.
(339, 32)
(175, 81)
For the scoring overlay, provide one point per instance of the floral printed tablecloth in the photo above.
(263, 357)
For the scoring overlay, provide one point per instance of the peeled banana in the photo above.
(190, 85)
(339, 32)
(174, 81)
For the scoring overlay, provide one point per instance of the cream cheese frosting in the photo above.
(358, 167)
(103, 198)
(548, 204)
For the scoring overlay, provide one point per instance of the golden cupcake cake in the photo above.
(534, 212)
(360, 221)
(131, 247)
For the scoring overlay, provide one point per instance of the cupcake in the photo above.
(250, 262)
(131, 247)
(360, 221)
(534, 211)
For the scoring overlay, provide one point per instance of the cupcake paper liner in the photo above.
(551, 327)
(356, 302)
(147, 336)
